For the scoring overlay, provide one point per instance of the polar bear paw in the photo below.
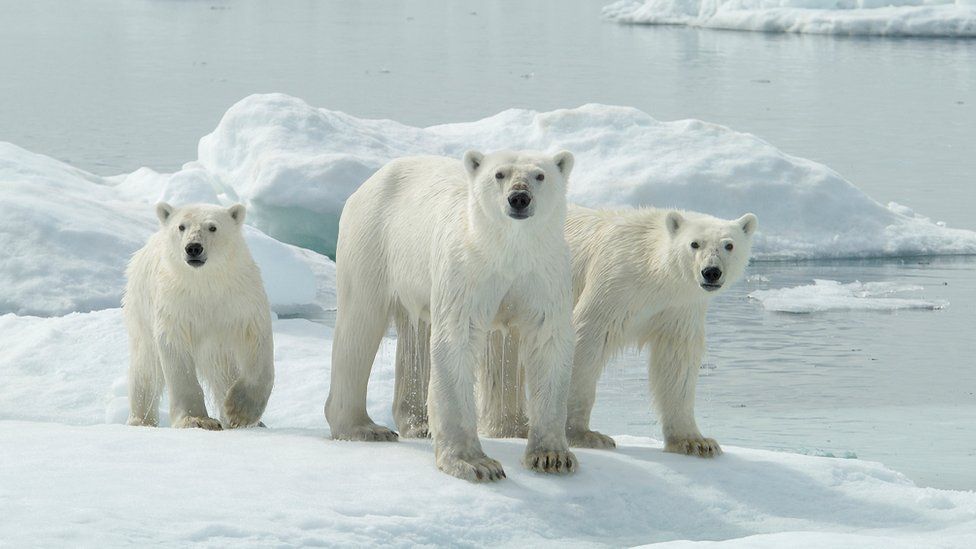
(590, 439)
(559, 462)
(193, 422)
(242, 407)
(369, 432)
(694, 446)
(475, 469)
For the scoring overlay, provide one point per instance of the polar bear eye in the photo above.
(499, 175)
(694, 245)
(182, 228)
(213, 229)
(540, 177)
(729, 246)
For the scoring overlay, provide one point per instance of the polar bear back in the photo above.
(395, 219)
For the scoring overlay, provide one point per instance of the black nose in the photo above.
(194, 250)
(519, 200)
(711, 274)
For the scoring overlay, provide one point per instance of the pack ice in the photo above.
(928, 18)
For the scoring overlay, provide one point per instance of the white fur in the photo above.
(636, 281)
(431, 241)
(212, 321)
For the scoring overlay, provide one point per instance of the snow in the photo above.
(69, 233)
(931, 18)
(294, 165)
(289, 485)
(831, 295)
(67, 236)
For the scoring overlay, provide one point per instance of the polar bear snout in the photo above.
(194, 254)
(711, 277)
(519, 205)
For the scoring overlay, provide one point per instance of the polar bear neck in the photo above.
(509, 244)
(213, 283)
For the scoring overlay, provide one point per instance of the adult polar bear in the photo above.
(640, 277)
(195, 305)
(466, 246)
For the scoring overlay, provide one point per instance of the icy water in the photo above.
(114, 85)
(896, 387)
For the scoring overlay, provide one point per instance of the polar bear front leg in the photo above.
(145, 381)
(548, 349)
(676, 353)
(455, 344)
(187, 408)
(248, 396)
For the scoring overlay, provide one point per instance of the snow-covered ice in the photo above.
(114, 485)
(66, 478)
(932, 18)
(832, 295)
(67, 236)
(294, 165)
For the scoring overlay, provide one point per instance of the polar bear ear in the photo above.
(472, 161)
(673, 221)
(749, 223)
(564, 161)
(237, 212)
(163, 212)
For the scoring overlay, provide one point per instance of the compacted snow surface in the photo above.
(931, 18)
(72, 474)
(67, 478)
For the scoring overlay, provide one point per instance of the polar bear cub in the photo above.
(462, 247)
(194, 306)
(642, 277)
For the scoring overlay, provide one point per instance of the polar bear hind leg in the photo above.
(412, 375)
(361, 320)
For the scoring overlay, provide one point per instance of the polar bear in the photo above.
(194, 305)
(462, 248)
(645, 277)
(642, 276)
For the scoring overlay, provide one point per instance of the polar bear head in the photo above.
(711, 253)
(201, 234)
(510, 185)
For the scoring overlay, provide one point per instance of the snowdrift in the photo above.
(67, 236)
(69, 479)
(294, 166)
(70, 233)
(929, 18)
